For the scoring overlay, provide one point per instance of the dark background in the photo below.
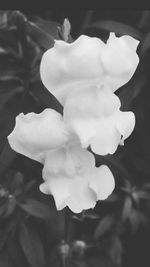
(117, 231)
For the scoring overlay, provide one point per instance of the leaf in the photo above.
(146, 186)
(15, 252)
(137, 218)
(36, 208)
(10, 206)
(31, 246)
(10, 69)
(118, 27)
(6, 157)
(144, 45)
(8, 89)
(44, 97)
(129, 92)
(104, 225)
(143, 194)
(39, 35)
(49, 27)
(116, 250)
(127, 208)
(17, 184)
(65, 30)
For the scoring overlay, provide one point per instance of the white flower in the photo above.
(34, 134)
(69, 171)
(71, 177)
(88, 60)
(94, 116)
(83, 76)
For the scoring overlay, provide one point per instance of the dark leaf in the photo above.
(36, 208)
(137, 218)
(104, 225)
(118, 27)
(129, 92)
(116, 250)
(17, 184)
(127, 208)
(112, 198)
(10, 69)
(30, 185)
(31, 246)
(8, 89)
(44, 97)
(49, 27)
(15, 252)
(144, 45)
(65, 30)
(6, 157)
(146, 186)
(10, 206)
(143, 194)
(39, 35)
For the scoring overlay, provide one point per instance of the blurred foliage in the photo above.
(32, 232)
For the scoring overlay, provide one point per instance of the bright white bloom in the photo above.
(83, 76)
(69, 171)
(88, 60)
(34, 134)
(71, 177)
(94, 115)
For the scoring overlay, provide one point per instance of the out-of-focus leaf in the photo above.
(30, 185)
(49, 27)
(144, 45)
(104, 225)
(8, 89)
(65, 30)
(10, 206)
(146, 186)
(116, 250)
(127, 208)
(86, 215)
(31, 246)
(17, 184)
(3, 19)
(39, 35)
(15, 252)
(6, 157)
(36, 208)
(44, 97)
(9, 39)
(141, 194)
(112, 198)
(10, 69)
(130, 91)
(3, 208)
(137, 219)
(118, 27)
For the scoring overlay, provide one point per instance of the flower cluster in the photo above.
(83, 76)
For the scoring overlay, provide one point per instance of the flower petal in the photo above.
(66, 172)
(67, 161)
(102, 182)
(90, 101)
(119, 59)
(87, 61)
(125, 123)
(36, 133)
(67, 65)
(90, 115)
(107, 137)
